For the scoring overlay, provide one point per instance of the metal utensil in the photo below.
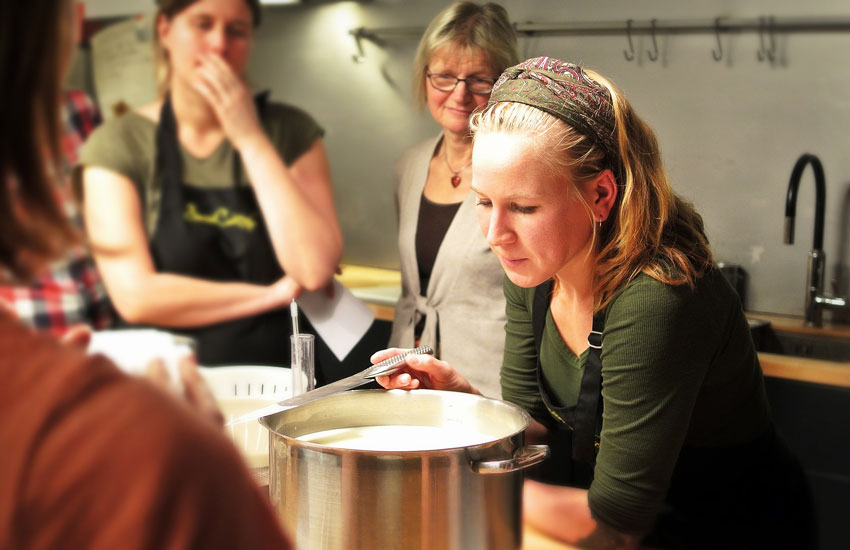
(387, 366)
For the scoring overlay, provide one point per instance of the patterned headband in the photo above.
(565, 91)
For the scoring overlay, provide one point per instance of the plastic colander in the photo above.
(241, 389)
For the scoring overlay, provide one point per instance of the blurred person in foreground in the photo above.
(451, 282)
(90, 457)
(624, 341)
(209, 209)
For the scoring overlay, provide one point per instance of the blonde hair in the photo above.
(169, 9)
(650, 229)
(471, 27)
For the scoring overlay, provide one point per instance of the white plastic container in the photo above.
(242, 389)
(134, 349)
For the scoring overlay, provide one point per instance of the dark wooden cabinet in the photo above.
(815, 421)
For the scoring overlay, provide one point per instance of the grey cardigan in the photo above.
(464, 301)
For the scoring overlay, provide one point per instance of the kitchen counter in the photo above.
(791, 323)
(818, 371)
(379, 288)
(532, 539)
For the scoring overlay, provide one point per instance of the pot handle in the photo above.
(523, 458)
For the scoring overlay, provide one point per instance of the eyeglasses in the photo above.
(447, 83)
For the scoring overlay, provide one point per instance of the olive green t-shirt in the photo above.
(678, 368)
(127, 145)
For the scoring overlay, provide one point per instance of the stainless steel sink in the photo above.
(813, 346)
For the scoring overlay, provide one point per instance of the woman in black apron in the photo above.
(228, 252)
(208, 212)
(623, 341)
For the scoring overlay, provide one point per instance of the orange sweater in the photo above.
(91, 458)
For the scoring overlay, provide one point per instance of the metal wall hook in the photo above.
(766, 27)
(360, 34)
(653, 56)
(717, 54)
(771, 33)
(630, 53)
(360, 56)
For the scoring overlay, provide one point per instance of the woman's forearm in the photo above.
(563, 513)
(537, 433)
(300, 217)
(170, 300)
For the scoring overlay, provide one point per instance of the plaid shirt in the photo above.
(71, 292)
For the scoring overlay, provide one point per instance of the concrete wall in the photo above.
(730, 131)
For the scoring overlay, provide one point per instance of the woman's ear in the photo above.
(163, 25)
(604, 188)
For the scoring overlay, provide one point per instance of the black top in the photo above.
(434, 221)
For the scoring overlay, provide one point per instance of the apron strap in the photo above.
(168, 164)
(589, 407)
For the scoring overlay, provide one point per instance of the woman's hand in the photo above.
(230, 98)
(195, 391)
(77, 336)
(284, 290)
(422, 371)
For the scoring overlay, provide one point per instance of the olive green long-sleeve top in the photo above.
(678, 368)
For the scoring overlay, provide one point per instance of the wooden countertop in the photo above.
(532, 539)
(791, 323)
(379, 288)
(817, 371)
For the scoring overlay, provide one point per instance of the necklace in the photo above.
(455, 173)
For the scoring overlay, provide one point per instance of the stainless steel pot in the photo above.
(462, 498)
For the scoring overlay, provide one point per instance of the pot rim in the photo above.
(293, 441)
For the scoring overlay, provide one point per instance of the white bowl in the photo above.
(133, 349)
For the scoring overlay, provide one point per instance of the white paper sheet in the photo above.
(341, 321)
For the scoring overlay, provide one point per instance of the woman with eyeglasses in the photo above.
(451, 282)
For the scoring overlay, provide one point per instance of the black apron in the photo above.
(218, 235)
(746, 496)
(577, 427)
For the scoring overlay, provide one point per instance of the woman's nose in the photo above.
(217, 40)
(499, 231)
(461, 92)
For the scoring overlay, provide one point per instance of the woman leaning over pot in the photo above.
(197, 204)
(451, 281)
(624, 341)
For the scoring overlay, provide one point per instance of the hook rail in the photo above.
(690, 26)
(765, 26)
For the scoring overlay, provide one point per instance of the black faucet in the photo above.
(820, 199)
(815, 299)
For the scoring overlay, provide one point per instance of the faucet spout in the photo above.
(815, 300)
(820, 199)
